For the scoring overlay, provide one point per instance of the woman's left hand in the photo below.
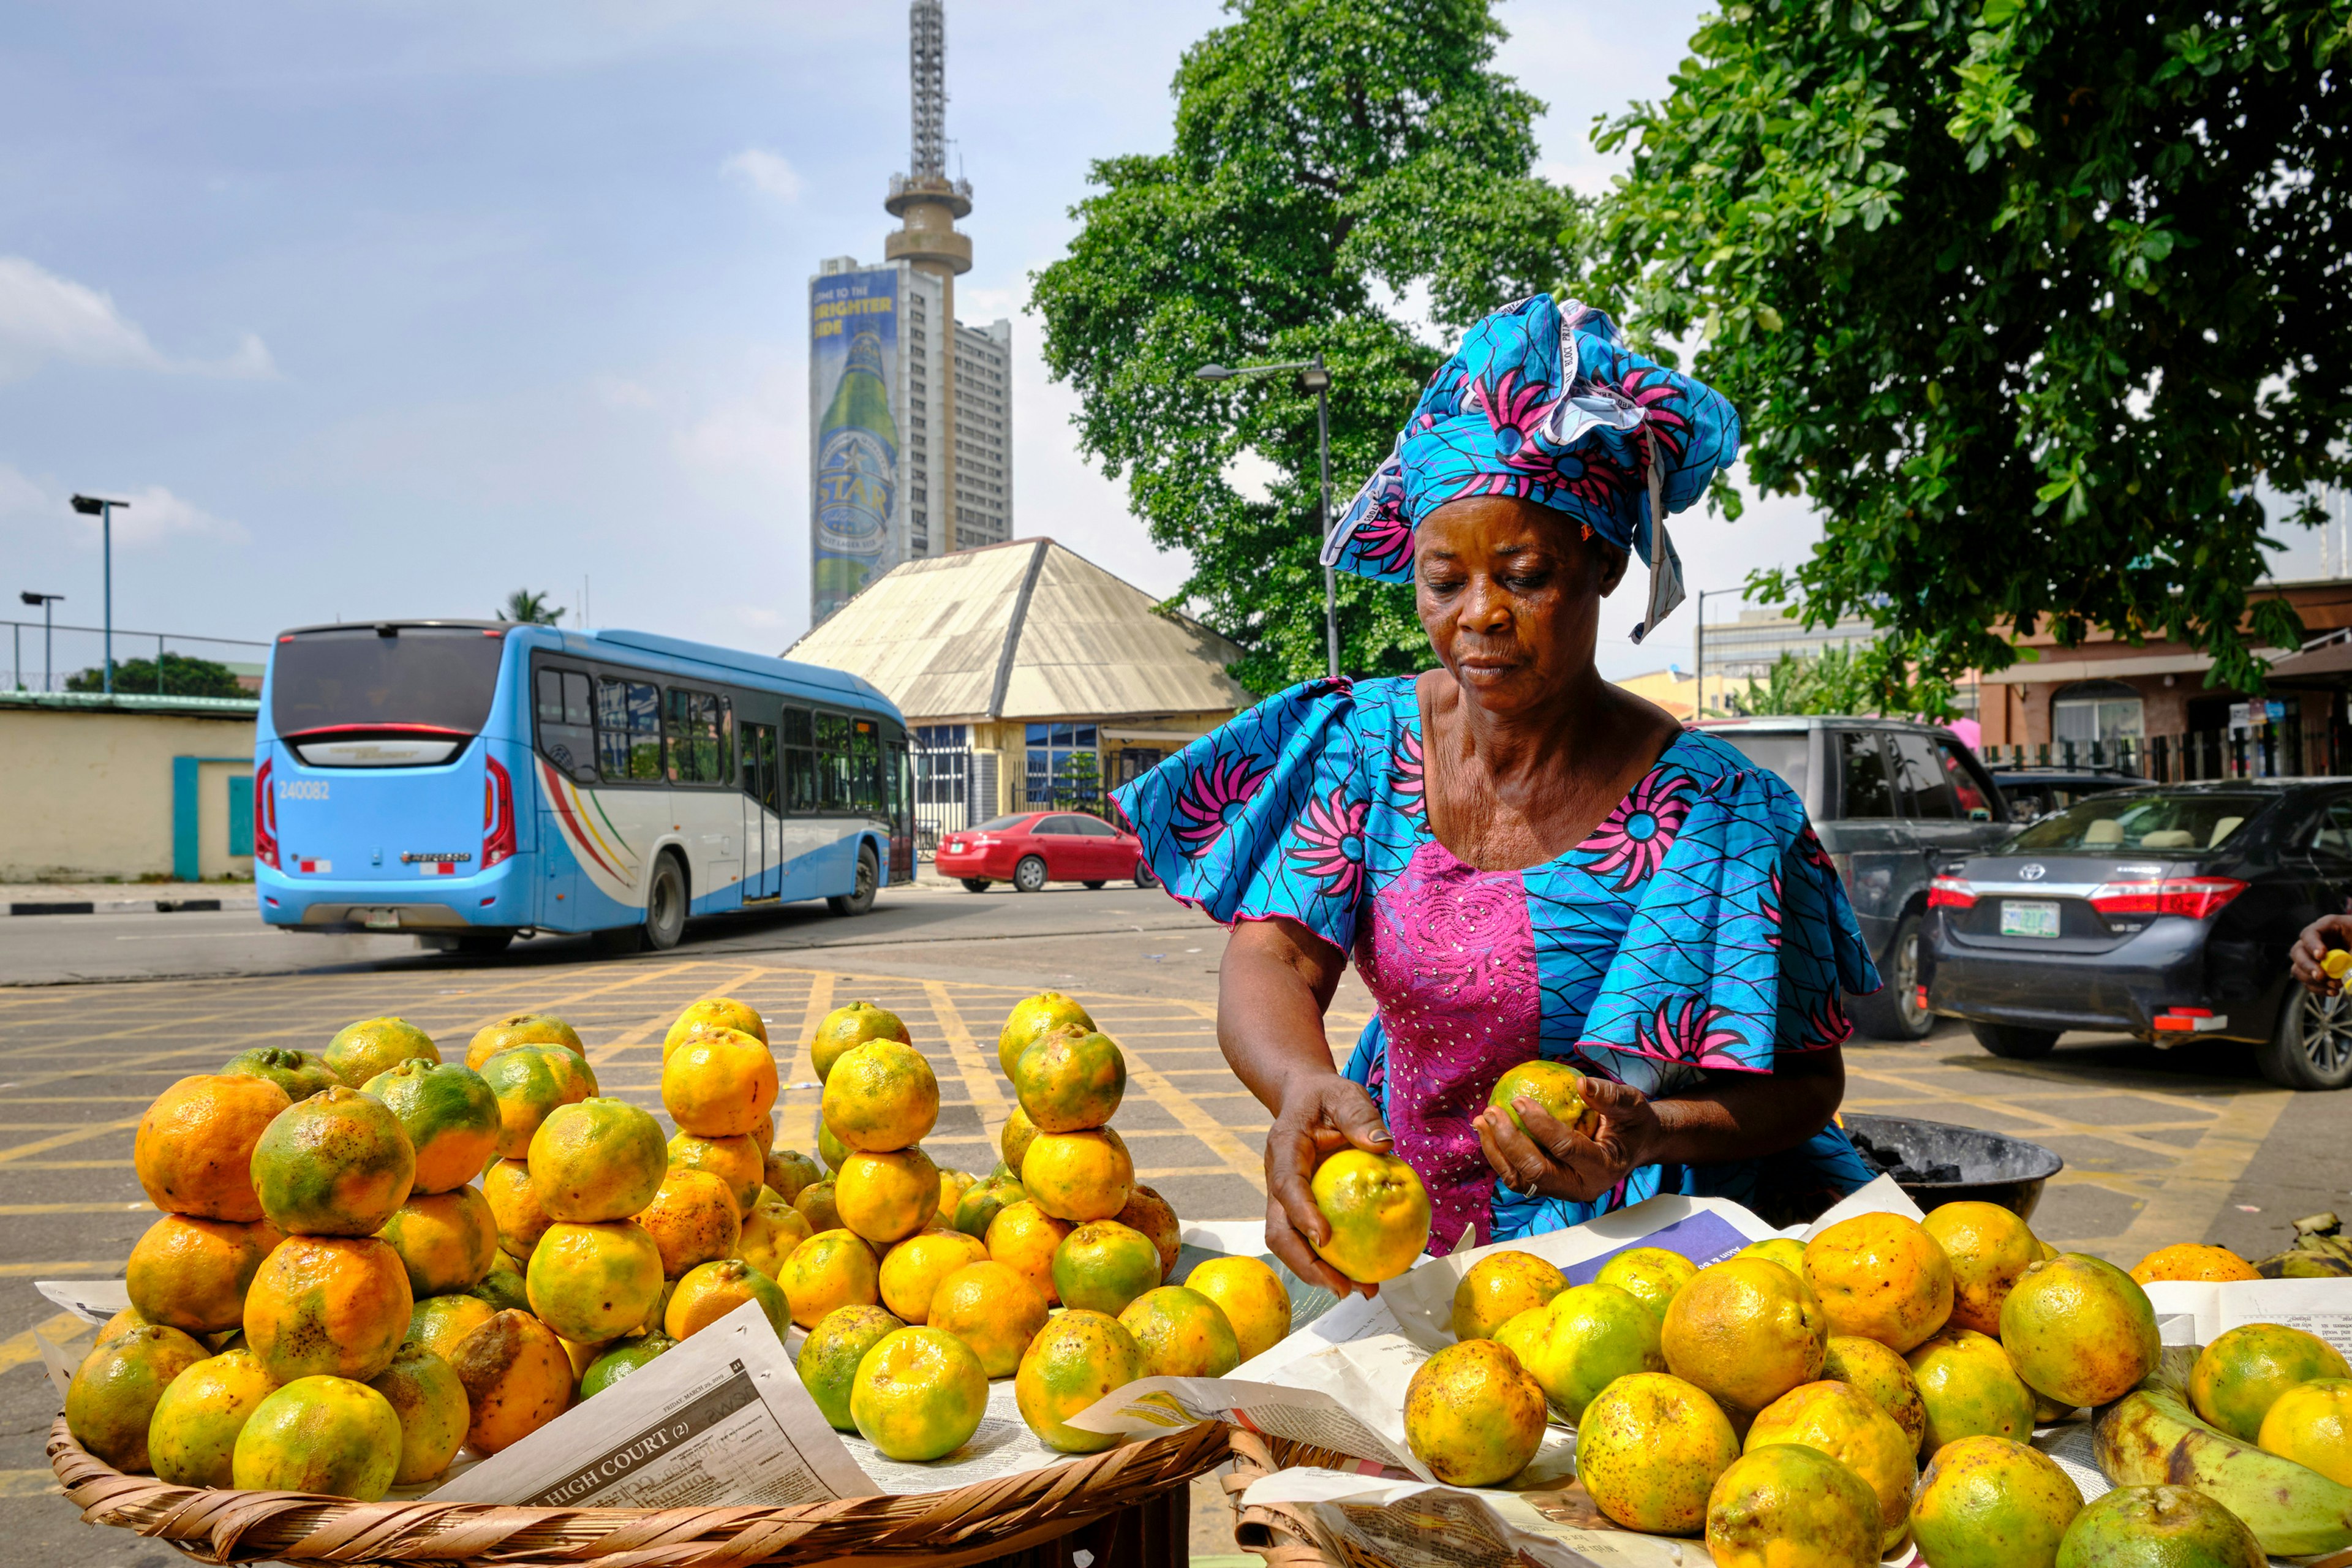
(1559, 1161)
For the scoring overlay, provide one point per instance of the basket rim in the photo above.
(963, 1524)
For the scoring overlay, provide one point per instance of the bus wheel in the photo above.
(868, 875)
(484, 943)
(666, 904)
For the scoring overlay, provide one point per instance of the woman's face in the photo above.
(1509, 593)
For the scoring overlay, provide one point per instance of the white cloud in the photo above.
(44, 317)
(155, 516)
(769, 173)
(620, 392)
(20, 496)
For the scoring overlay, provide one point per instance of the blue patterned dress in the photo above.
(1700, 929)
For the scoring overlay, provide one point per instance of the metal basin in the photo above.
(1994, 1168)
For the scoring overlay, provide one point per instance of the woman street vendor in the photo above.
(1521, 858)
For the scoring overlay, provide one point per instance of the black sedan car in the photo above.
(2036, 793)
(2164, 912)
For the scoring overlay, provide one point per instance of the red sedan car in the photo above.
(1032, 849)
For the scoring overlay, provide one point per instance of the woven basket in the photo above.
(941, 1529)
(1285, 1537)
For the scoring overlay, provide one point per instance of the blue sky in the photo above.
(377, 308)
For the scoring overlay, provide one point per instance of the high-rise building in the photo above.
(910, 411)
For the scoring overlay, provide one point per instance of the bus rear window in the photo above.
(420, 678)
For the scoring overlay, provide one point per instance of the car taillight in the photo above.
(2199, 898)
(498, 814)
(1952, 893)
(265, 820)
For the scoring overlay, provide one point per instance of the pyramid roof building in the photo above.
(1026, 630)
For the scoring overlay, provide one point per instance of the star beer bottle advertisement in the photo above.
(853, 346)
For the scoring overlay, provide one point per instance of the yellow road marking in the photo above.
(29, 1483)
(1199, 1123)
(978, 1073)
(79, 1269)
(10, 1210)
(19, 1349)
(796, 1127)
(64, 1166)
(2192, 1191)
(15, 1151)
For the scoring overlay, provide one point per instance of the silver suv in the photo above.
(1890, 799)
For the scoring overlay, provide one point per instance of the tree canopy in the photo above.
(531, 608)
(2028, 297)
(182, 677)
(1329, 157)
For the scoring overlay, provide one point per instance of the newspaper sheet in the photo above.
(1339, 1382)
(1543, 1516)
(720, 1420)
(2197, 1314)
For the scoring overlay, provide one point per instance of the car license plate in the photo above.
(380, 920)
(2028, 917)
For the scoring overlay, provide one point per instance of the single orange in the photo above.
(192, 1274)
(360, 1051)
(518, 1378)
(848, 1027)
(450, 1114)
(1079, 1176)
(992, 1308)
(336, 1305)
(886, 1198)
(709, 1291)
(337, 1165)
(600, 1159)
(506, 1187)
(1023, 1238)
(831, 1268)
(720, 1083)
(693, 1219)
(447, 1241)
(194, 1149)
(881, 1096)
(521, 1029)
(1882, 1277)
(715, 1013)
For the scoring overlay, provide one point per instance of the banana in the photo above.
(2150, 1436)
(2297, 1264)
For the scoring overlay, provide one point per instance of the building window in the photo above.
(2103, 711)
(1064, 763)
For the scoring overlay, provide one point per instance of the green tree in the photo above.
(183, 677)
(1329, 154)
(1833, 680)
(529, 608)
(2027, 296)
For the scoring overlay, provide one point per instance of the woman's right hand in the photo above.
(2312, 947)
(1321, 1114)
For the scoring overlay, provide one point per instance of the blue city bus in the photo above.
(471, 781)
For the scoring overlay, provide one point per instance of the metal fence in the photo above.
(2307, 746)
(947, 782)
(44, 657)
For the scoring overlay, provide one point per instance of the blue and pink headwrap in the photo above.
(1546, 403)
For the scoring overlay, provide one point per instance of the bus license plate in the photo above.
(389, 920)
(2024, 917)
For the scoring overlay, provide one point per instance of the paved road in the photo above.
(43, 950)
(2159, 1146)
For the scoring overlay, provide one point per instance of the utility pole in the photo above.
(103, 509)
(48, 673)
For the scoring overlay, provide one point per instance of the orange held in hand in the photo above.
(1379, 1214)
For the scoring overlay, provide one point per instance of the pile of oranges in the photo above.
(1781, 1401)
(368, 1257)
(920, 1286)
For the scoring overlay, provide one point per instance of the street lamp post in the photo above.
(103, 509)
(1314, 377)
(1699, 651)
(49, 677)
